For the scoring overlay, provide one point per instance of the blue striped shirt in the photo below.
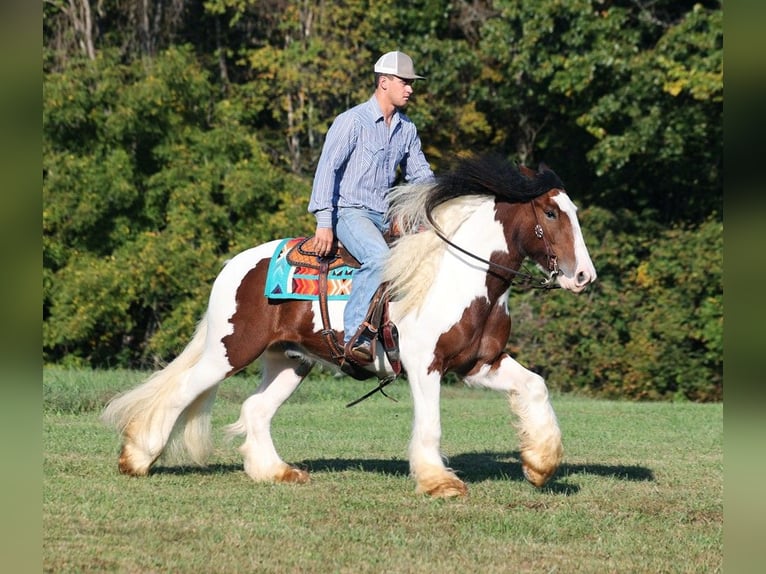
(359, 161)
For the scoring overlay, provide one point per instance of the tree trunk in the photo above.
(80, 16)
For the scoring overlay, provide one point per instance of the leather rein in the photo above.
(530, 280)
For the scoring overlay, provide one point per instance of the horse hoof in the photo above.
(447, 488)
(536, 477)
(129, 462)
(450, 491)
(294, 475)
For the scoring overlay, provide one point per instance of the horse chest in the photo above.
(460, 340)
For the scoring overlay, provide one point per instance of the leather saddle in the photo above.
(304, 254)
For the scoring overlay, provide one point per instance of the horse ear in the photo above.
(527, 171)
(543, 167)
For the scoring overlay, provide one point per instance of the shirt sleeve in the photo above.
(339, 143)
(416, 166)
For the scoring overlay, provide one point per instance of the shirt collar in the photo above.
(377, 113)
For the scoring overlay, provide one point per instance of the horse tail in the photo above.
(142, 415)
(196, 439)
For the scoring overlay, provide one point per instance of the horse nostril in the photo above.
(582, 278)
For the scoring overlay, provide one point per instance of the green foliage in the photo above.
(651, 327)
(623, 101)
(149, 185)
(665, 119)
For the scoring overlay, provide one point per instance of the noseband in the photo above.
(529, 279)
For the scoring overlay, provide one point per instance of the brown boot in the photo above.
(360, 350)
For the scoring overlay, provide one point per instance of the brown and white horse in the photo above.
(463, 240)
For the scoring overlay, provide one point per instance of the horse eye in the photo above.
(550, 214)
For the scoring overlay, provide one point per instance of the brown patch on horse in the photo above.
(481, 334)
(260, 323)
(518, 219)
(478, 338)
(527, 171)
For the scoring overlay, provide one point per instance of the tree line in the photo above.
(178, 132)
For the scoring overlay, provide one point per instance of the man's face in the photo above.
(398, 90)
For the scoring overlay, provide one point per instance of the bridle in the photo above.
(553, 264)
(529, 280)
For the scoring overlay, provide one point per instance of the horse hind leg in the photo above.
(191, 437)
(181, 394)
(281, 377)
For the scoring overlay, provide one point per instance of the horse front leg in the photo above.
(426, 462)
(536, 423)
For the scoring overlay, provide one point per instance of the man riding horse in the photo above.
(363, 151)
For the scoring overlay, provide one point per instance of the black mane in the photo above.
(490, 175)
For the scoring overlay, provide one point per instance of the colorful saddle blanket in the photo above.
(294, 274)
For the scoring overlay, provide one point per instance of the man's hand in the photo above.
(324, 239)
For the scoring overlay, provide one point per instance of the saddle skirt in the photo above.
(294, 272)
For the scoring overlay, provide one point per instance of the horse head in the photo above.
(538, 222)
(551, 234)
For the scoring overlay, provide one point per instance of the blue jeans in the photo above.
(361, 232)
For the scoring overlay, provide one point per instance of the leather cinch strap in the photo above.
(336, 351)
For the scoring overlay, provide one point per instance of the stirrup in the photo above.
(360, 354)
(366, 333)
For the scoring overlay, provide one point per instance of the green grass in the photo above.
(640, 489)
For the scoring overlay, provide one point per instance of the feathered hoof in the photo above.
(537, 474)
(535, 477)
(444, 487)
(132, 462)
(294, 475)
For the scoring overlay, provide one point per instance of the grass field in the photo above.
(640, 489)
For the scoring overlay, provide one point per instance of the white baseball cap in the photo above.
(397, 64)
